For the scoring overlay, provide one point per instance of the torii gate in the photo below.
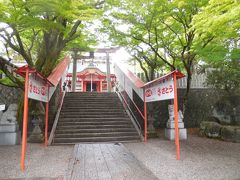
(75, 57)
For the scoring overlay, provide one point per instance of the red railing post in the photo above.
(176, 118)
(60, 83)
(25, 122)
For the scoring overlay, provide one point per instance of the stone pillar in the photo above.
(170, 129)
(108, 73)
(74, 74)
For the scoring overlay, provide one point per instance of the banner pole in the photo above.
(46, 118)
(176, 118)
(25, 122)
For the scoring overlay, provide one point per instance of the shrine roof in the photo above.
(86, 70)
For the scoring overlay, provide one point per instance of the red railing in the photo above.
(138, 120)
(139, 111)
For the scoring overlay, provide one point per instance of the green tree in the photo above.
(161, 27)
(39, 31)
(220, 19)
(226, 76)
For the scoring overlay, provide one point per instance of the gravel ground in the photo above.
(201, 158)
(41, 162)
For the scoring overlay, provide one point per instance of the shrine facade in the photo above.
(90, 79)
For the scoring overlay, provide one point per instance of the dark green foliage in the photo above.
(226, 77)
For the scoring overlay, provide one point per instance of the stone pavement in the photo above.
(200, 158)
(41, 162)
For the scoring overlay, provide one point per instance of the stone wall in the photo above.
(9, 95)
(200, 107)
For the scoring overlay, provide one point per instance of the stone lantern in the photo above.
(36, 136)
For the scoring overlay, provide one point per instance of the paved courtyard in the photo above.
(41, 162)
(201, 158)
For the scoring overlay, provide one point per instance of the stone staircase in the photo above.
(91, 117)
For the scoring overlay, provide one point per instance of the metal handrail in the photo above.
(132, 114)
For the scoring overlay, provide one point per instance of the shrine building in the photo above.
(90, 78)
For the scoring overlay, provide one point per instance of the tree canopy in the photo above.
(158, 34)
(39, 31)
(220, 19)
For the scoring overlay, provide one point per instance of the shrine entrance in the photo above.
(91, 79)
(91, 86)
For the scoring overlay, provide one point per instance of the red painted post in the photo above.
(46, 119)
(176, 118)
(61, 91)
(25, 122)
(145, 117)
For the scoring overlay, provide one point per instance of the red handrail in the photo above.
(134, 105)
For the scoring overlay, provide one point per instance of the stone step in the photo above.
(91, 100)
(77, 119)
(63, 123)
(100, 134)
(58, 131)
(78, 100)
(86, 93)
(105, 106)
(92, 110)
(96, 139)
(91, 94)
(89, 107)
(92, 115)
(91, 97)
(103, 142)
(74, 108)
(97, 103)
(93, 126)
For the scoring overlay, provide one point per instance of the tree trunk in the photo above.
(186, 95)
(151, 73)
